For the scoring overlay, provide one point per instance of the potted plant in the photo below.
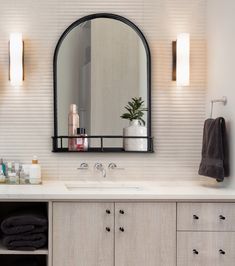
(135, 112)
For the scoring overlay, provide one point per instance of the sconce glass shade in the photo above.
(16, 58)
(183, 60)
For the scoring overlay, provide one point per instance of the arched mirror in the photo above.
(102, 73)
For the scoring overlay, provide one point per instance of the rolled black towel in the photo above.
(25, 241)
(24, 223)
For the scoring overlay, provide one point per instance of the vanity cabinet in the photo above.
(145, 234)
(108, 234)
(206, 248)
(206, 216)
(206, 234)
(83, 234)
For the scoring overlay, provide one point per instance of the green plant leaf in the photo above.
(135, 109)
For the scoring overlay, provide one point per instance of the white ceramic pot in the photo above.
(132, 144)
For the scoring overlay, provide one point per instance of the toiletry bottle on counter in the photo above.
(73, 124)
(82, 143)
(3, 166)
(24, 174)
(2, 176)
(35, 172)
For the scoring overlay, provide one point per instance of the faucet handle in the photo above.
(83, 166)
(113, 166)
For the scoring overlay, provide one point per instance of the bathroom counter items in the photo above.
(68, 190)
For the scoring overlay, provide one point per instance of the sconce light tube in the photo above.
(16, 51)
(183, 60)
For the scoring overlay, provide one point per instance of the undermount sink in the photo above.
(96, 187)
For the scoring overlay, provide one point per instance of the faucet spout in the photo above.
(99, 167)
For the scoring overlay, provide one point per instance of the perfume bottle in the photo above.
(81, 143)
(73, 124)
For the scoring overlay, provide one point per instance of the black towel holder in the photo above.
(222, 100)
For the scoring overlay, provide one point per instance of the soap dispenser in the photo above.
(35, 172)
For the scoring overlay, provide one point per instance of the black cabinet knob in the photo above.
(195, 251)
(121, 229)
(108, 211)
(222, 217)
(195, 217)
(107, 229)
(121, 211)
(221, 252)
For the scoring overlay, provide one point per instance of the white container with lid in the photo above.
(35, 172)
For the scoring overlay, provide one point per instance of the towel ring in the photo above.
(222, 100)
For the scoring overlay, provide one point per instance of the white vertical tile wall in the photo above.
(26, 113)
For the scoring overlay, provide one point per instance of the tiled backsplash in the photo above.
(26, 113)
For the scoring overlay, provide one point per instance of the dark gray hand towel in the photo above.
(24, 223)
(214, 162)
(25, 241)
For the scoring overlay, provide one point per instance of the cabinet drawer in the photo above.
(206, 248)
(206, 217)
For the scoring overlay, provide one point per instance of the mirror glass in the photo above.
(101, 65)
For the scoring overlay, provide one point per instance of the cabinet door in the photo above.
(145, 234)
(206, 249)
(83, 234)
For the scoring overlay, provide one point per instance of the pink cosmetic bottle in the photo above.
(73, 124)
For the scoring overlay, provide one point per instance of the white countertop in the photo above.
(175, 191)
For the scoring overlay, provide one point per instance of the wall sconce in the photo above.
(181, 59)
(16, 56)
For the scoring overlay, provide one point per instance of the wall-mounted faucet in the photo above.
(100, 167)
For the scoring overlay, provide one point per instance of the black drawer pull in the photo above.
(108, 211)
(121, 211)
(107, 229)
(195, 217)
(222, 252)
(121, 229)
(222, 217)
(195, 252)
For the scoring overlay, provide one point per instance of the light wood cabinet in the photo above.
(145, 234)
(206, 248)
(83, 234)
(205, 234)
(206, 216)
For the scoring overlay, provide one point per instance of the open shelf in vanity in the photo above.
(39, 257)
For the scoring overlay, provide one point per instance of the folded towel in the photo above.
(23, 223)
(214, 162)
(25, 241)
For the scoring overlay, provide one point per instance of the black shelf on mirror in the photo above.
(60, 146)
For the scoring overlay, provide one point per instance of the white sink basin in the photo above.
(98, 187)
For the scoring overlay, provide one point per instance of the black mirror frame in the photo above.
(148, 55)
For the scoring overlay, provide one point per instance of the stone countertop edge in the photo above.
(159, 191)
